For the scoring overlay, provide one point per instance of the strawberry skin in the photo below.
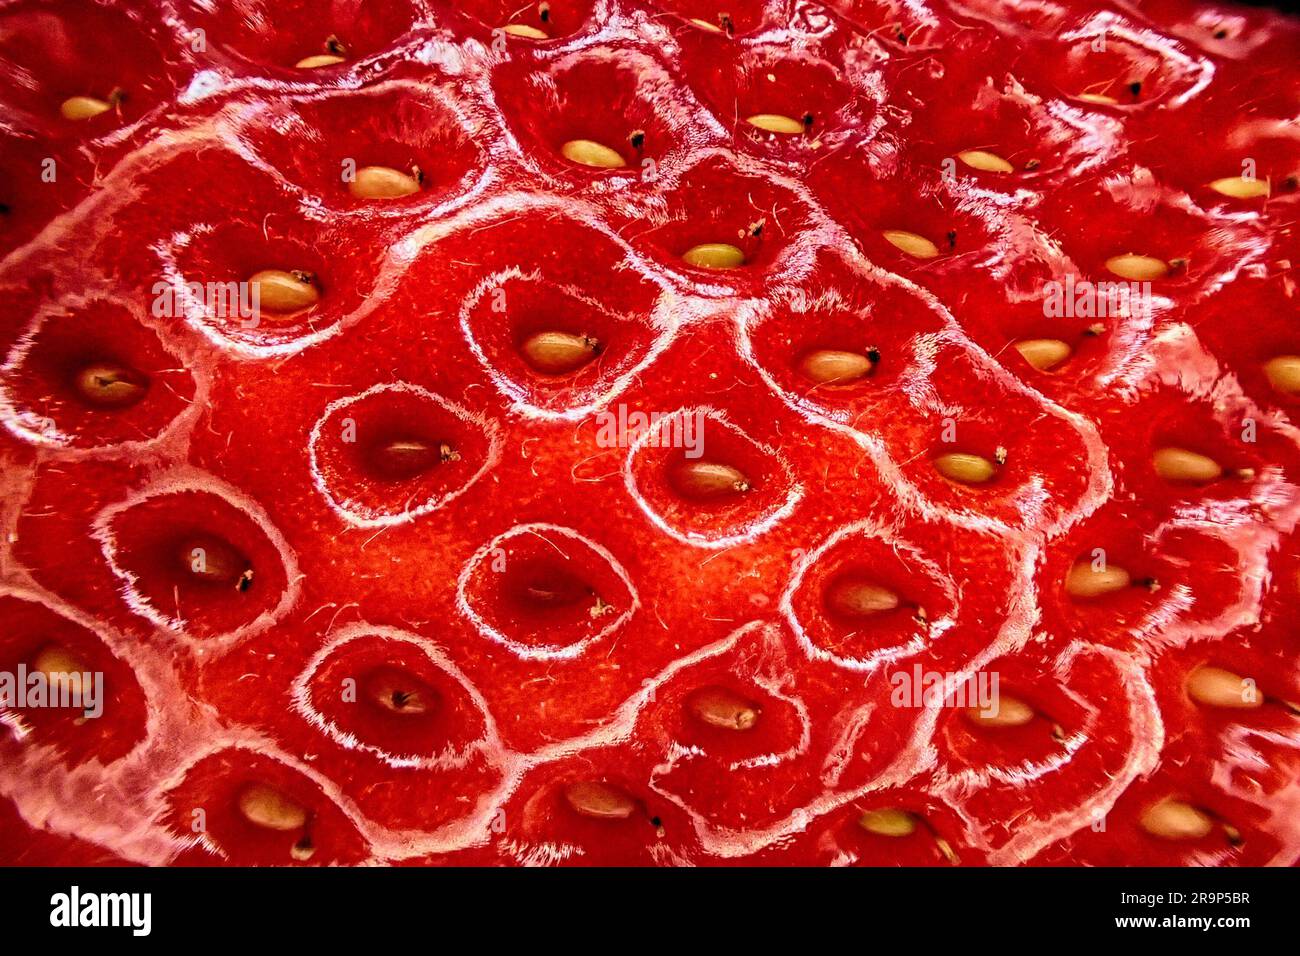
(638, 433)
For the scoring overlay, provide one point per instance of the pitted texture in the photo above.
(566, 607)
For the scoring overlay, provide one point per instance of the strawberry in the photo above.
(647, 432)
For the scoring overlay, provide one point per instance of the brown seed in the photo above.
(600, 801)
(859, 597)
(212, 560)
(831, 366)
(56, 661)
(1239, 187)
(1084, 581)
(83, 107)
(1101, 98)
(525, 31)
(271, 808)
(709, 479)
(1138, 268)
(1187, 467)
(109, 385)
(965, 468)
(383, 182)
(1172, 819)
(1043, 354)
(557, 353)
(776, 123)
(719, 707)
(587, 152)
(1216, 687)
(985, 161)
(911, 243)
(888, 821)
(283, 291)
(1007, 711)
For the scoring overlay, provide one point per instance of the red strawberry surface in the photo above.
(661, 421)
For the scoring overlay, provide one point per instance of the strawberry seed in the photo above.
(1216, 687)
(708, 479)
(911, 243)
(384, 182)
(285, 291)
(832, 366)
(600, 801)
(1185, 467)
(557, 353)
(588, 152)
(110, 385)
(714, 255)
(718, 707)
(271, 808)
(965, 468)
(1137, 268)
(1043, 354)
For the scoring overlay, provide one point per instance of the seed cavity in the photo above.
(558, 353)
(719, 707)
(524, 30)
(1173, 819)
(911, 243)
(985, 161)
(1007, 711)
(600, 801)
(384, 182)
(835, 367)
(860, 597)
(706, 480)
(271, 808)
(284, 291)
(965, 468)
(1138, 268)
(776, 123)
(1084, 581)
(1283, 373)
(587, 152)
(714, 255)
(1185, 467)
(888, 822)
(109, 385)
(212, 560)
(1043, 354)
(1239, 187)
(1216, 687)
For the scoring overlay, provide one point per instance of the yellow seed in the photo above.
(1137, 268)
(714, 255)
(268, 807)
(1215, 687)
(319, 60)
(587, 152)
(831, 366)
(1239, 187)
(858, 597)
(1043, 354)
(55, 661)
(406, 457)
(709, 479)
(1084, 581)
(1172, 819)
(524, 30)
(600, 801)
(720, 708)
(706, 25)
(555, 353)
(1007, 711)
(1181, 465)
(1283, 373)
(1101, 98)
(911, 243)
(985, 162)
(284, 292)
(83, 107)
(383, 182)
(110, 385)
(965, 468)
(888, 821)
(775, 123)
(399, 693)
